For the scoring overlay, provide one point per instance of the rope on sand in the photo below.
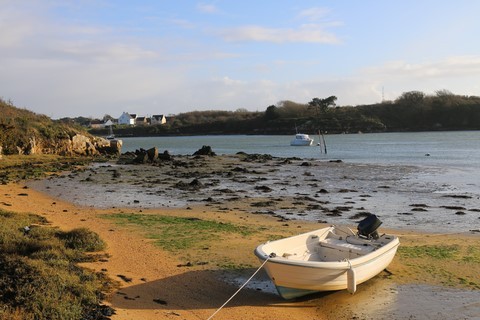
(253, 275)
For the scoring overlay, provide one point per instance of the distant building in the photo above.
(97, 124)
(132, 119)
(126, 118)
(109, 123)
(142, 121)
(158, 119)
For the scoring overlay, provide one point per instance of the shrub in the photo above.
(82, 239)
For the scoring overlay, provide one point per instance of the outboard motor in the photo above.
(368, 227)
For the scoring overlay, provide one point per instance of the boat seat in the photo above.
(342, 245)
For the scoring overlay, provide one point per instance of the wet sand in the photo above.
(160, 286)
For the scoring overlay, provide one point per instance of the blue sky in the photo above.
(90, 58)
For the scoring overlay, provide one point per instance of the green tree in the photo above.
(321, 105)
(411, 98)
(271, 113)
(107, 117)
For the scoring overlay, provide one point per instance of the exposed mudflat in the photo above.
(334, 192)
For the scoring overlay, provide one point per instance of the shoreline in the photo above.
(160, 288)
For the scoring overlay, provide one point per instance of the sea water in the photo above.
(457, 152)
(458, 149)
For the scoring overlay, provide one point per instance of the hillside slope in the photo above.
(25, 132)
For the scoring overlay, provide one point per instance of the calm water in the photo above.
(456, 153)
(445, 149)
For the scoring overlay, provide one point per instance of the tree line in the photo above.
(411, 111)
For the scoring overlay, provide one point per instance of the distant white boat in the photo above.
(110, 136)
(332, 258)
(301, 139)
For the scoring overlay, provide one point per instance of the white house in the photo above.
(109, 123)
(159, 119)
(126, 118)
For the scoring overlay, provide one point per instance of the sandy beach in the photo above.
(160, 284)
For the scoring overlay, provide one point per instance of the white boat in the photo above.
(110, 136)
(301, 139)
(327, 259)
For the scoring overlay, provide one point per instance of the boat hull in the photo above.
(301, 140)
(296, 277)
(301, 143)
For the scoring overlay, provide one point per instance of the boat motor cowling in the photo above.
(368, 227)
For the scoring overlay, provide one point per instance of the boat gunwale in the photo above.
(329, 265)
(333, 265)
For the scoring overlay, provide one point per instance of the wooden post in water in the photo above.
(324, 144)
(322, 141)
(319, 141)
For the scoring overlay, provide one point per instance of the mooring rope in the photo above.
(253, 275)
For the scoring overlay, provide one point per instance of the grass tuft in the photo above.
(82, 239)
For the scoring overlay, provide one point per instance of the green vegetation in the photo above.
(39, 276)
(173, 233)
(412, 111)
(82, 239)
(442, 262)
(24, 132)
(472, 255)
(467, 254)
(437, 252)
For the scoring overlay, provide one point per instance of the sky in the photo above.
(90, 58)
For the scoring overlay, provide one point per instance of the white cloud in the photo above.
(207, 8)
(74, 68)
(458, 74)
(314, 14)
(16, 26)
(108, 52)
(305, 33)
(448, 67)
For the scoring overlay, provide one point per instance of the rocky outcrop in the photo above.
(146, 156)
(205, 151)
(81, 145)
(86, 146)
(142, 156)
